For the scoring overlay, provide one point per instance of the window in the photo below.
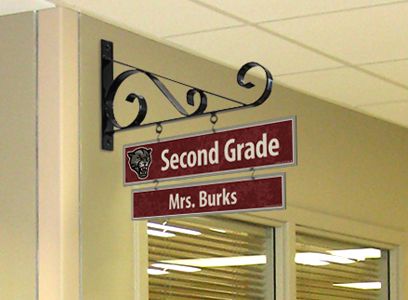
(209, 258)
(329, 269)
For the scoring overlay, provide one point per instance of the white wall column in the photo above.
(58, 151)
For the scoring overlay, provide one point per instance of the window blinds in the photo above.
(219, 237)
(333, 280)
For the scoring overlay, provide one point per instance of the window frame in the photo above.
(286, 225)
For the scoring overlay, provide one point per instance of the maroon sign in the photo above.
(248, 195)
(256, 146)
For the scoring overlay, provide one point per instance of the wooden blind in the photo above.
(220, 237)
(318, 282)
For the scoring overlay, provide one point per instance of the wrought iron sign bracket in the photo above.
(110, 86)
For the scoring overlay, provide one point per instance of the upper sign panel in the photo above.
(269, 144)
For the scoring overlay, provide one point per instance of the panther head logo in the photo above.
(139, 161)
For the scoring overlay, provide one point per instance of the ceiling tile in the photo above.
(396, 70)
(394, 112)
(357, 36)
(156, 17)
(267, 10)
(12, 6)
(345, 86)
(240, 45)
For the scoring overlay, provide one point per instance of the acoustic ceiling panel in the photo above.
(269, 10)
(154, 17)
(369, 35)
(346, 86)
(394, 70)
(236, 46)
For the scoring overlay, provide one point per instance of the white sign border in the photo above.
(213, 182)
(192, 176)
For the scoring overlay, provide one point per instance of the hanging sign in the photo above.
(221, 197)
(270, 144)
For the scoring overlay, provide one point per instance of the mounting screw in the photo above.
(107, 49)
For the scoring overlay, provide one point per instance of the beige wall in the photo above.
(350, 179)
(18, 157)
(351, 175)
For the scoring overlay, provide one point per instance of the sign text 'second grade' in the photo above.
(232, 152)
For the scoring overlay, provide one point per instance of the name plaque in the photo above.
(221, 197)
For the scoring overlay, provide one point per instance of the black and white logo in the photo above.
(140, 160)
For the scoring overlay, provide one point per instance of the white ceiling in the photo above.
(8, 7)
(350, 52)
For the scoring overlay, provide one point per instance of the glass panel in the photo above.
(209, 258)
(336, 270)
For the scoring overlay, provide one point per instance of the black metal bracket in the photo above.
(110, 86)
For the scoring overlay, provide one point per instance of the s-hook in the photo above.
(159, 130)
(213, 120)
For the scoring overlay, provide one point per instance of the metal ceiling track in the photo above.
(110, 86)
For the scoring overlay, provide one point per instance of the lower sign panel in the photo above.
(234, 196)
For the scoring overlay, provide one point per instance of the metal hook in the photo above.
(252, 173)
(213, 120)
(156, 182)
(159, 130)
(164, 223)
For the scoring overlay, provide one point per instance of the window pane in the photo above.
(329, 269)
(209, 258)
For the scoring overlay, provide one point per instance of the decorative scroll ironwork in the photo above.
(110, 86)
